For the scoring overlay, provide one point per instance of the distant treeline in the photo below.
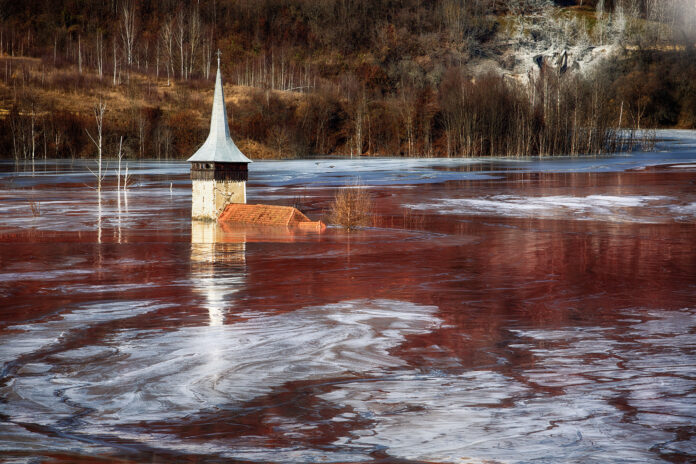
(377, 77)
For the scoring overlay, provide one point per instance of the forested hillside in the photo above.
(368, 77)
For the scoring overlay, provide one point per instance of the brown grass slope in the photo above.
(364, 77)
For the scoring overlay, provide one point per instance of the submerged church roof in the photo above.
(268, 215)
(219, 146)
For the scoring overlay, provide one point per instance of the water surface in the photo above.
(526, 310)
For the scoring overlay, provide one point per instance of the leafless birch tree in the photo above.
(115, 63)
(167, 42)
(181, 42)
(99, 110)
(128, 30)
(194, 38)
(100, 56)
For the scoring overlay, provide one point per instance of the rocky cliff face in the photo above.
(552, 38)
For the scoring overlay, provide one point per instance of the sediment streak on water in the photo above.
(500, 311)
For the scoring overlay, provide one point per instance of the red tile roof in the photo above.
(268, 215)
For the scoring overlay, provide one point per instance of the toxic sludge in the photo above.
(497, 311)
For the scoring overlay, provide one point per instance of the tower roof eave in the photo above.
(219, 151)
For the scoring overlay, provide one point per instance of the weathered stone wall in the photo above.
(211, 196)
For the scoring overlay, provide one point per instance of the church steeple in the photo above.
(219, 146)
(219, 171)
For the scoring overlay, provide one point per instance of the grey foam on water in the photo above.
(624, 208)
(152, 375)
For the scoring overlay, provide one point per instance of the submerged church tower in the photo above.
(219, 171)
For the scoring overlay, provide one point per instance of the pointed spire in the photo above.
(219, 146)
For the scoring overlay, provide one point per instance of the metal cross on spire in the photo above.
(219, 147)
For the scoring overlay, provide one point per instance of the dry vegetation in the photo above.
(352, 77)
(351, 207)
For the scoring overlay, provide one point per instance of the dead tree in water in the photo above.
(351, 207)
(118, 175)
(99, 110)
(33, 136)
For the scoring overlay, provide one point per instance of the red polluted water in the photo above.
(495, 311)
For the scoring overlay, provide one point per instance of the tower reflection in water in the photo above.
(218, 266)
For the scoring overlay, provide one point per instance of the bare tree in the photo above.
(207, 55)
(167, 39)
(194, 38)
(79, 53)
(181, 41)
(163, 141)
(158, 48)
(146, 51)
(100, 58)
(407, 110)
(115, 62)
(99, 110)
(118, 174)
(141, 126)
(357, 109)
(279, 139)
(128, 29)
(33, 135)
